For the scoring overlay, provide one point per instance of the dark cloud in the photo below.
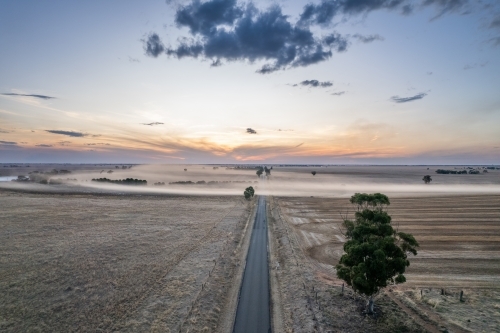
(68, 133)
(339, 93)
(153, 45)
(43, 145)
(8, 143)
(205, 17)
(97, 144)
(300, 144)
(316, 83)
(152, 124)
(368, 39)
(225, 30)
(323, 14)
(29, 95)
(398, 99)
(3, 131)
(64, 143)
(251, 131)
(228, 30)
(445, 6)
(336, 41)
(496, 22)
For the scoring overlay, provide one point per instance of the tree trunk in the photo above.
(371, 304)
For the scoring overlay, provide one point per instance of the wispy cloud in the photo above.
(29, 95)
(68, 133)
(43, 145)
(316, 83)
(251, 131)
(3, 131)
(475, 65)
(398, 99)
(368, 39)
(8, 143)
(152, 124)
(339, 93)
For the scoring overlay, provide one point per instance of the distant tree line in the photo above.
(127, 181)
(212, 182)
(451, 172)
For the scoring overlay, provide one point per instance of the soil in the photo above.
(459, 250)
(85, 263)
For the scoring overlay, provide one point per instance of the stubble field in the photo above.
(87, 263)
(459, 240)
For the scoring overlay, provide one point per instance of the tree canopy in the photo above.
(249, 192)
(375, 253)
(427, 179)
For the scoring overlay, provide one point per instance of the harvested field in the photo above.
(459, 240)
(84, 263)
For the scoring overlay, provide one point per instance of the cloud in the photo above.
(495, 41)
(152, 124)
(64, 143)
(251, 131)
(368, 39)
(68, 133)
(225, 30)
(339, 93)
(8, 143)
(398, 99)
(300, 144)
(29, 95)
(97, 144)
(316, 83)
(445, 6)
(474, 65)
(43, 145)
(130, 59)
(3, 131)
(495, 23)
(323, 14)
(153, 45)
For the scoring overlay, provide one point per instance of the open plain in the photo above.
(84, 256)
(459, 238)
(87, 263)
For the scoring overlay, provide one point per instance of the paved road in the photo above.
(252, 314)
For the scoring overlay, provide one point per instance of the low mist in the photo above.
(331, 181)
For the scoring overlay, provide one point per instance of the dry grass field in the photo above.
(88, 263)
(459, 240)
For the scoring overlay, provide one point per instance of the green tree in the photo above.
(260, 171)
(249, 192)
(427, 179)
(375, 253)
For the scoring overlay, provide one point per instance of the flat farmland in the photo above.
(459, 239)
(87, 263)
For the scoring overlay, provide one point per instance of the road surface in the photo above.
(253, 315)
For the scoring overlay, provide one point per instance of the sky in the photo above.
(229, 81)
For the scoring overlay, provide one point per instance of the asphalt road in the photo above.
(253, 313)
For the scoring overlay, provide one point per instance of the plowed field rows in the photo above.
(459, 236)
